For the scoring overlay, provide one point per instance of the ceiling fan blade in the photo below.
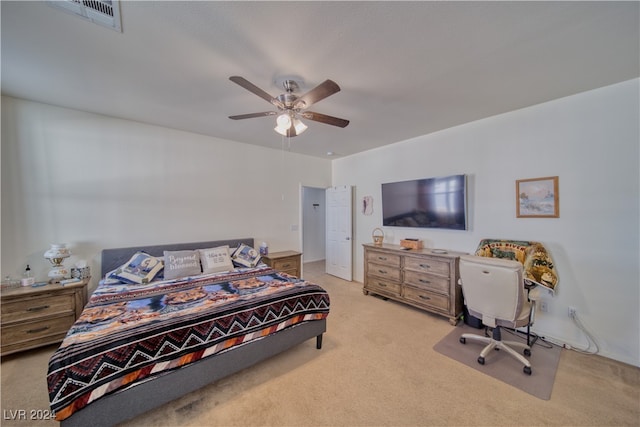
(252, 115)
(323, 118)
(256, 90)
(318, 93)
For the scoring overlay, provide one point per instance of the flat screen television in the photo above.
(439, 202)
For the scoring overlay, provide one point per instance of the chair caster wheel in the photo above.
(527, 370)
(481, 360)
(527, 352)
(463, 340)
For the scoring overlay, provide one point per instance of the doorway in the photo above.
(313, 211)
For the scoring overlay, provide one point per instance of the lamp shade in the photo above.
(57, 250)
(299, 126)
(284, 121)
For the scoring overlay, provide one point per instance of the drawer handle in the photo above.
(425, 266)
(382, 258)
(382, 271)
(425, 281)
(38, 308)
(424, 297)
(382, 285)
(285, 265)
(35, 331)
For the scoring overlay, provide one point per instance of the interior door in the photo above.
(339, 231)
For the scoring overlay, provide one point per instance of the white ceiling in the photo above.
(405, 68)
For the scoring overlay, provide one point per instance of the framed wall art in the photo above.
(537, 198)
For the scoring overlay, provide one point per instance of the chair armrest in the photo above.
(532, 313)
(535, 294)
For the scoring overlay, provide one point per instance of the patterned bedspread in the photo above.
(128, 333)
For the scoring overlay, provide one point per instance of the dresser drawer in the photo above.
(384, 271)
(426, 298)
(375, 284)
(427, 281)
(38, 307)
(383, 258)
(54, 328)
(427, 265)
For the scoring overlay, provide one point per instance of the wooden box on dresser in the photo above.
(36, 316)
(424, 278)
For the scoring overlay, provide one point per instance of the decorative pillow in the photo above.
(245, 256)
(215, 260)
(181, 264)
(141, 268)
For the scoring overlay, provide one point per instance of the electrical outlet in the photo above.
(571, 312)
(544, 307)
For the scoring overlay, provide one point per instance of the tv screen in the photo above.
(427, 203)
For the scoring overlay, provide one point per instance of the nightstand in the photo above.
(37, 316)
(286, 261)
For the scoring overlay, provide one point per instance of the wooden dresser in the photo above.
(33, 317)
(422, 278)
(289, 262)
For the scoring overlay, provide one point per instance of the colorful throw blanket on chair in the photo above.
(536, 261)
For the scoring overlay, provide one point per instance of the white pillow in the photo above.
(215, 260)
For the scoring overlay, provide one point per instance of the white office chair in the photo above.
(494, 291)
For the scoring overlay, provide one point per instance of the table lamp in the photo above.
(56, 255)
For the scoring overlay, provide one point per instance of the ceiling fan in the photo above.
(292, 107)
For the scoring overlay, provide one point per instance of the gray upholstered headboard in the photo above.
(114, 258)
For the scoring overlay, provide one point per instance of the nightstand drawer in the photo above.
(291, 263)
(427, 281)
(426, 265)
(36, 316)
(29, 331)
(33, 308)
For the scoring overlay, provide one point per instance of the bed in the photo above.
(139, 346)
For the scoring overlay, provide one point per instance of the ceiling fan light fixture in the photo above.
(283, 124)
(284, 121)
(281, 131)
(287, 125)
(299, 126)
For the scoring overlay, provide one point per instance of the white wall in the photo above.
(591, 141)
(96, 182)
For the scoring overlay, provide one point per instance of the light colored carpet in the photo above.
(377, 367)
(500, 365)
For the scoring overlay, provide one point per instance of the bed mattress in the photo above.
(131, 333)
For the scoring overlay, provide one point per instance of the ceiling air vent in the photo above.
(102, 12)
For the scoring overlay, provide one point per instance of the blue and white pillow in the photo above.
(141, 268)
